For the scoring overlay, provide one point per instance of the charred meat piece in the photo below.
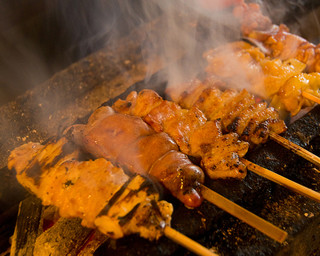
(102, 195)
(128, 141)
(192, 132)
(238, 111)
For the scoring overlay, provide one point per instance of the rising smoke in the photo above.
(40, 39)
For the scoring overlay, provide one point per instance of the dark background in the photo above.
(40, 37)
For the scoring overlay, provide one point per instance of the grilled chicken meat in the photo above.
(238, 111)
(281, 82)
(130, 142)
(102, 195)
(290, 94)
(277, 39)
(242, 65)
(251, 18)
(192, 132)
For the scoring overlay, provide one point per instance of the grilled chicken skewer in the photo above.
(237, 115)
(254, 122)
(94, 190)
(192, 132)
(238, 110)
(282, 82)
(102, 195)
(130, 142)
(279, 42)
(125, 140)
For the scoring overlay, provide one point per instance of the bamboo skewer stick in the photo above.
(310, 96)
(282, 180)
(295, 148)
(246, 216)
(187, 242)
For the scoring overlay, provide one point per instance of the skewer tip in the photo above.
(187, 242)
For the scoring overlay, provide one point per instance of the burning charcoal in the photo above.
(65, 237)
(28, 226)
(94, 242)
(7, 225)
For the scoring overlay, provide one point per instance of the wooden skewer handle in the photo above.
(295, 148)
(310, 96)
(282, 180)
(246, 216)
(186, 242)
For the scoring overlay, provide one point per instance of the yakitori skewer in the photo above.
(311, 97)
(205, 96)
(284, 83)
(244, 215)
(295, 148)
(282, 180)
(277, 39)
(299, 83)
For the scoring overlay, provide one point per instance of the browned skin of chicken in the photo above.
(214, 157)
(178, 123)
(94, 190)
(291, 93)
(240, 64)
(277, 39)
(238, 111)
(128, 141)
(192, 132)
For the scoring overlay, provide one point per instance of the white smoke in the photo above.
(188, 28)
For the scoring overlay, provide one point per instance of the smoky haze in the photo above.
(39, 38)
(184, 30)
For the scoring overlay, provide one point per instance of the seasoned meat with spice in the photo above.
(238, 64)
(130, 142)
(102, 195)
(194, 134)
(238, 110)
